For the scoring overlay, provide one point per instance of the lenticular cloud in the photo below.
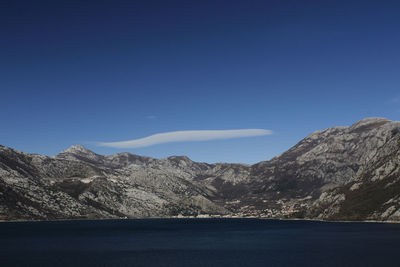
(186, 136)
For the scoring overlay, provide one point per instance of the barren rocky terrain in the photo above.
(341, 173)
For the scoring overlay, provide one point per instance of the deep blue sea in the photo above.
(199, 242)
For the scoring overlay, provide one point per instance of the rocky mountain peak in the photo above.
(369, 123)
(179, 158)
(77, 149)
(80, 153)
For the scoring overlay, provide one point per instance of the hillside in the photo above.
(341, 173)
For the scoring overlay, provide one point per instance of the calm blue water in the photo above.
(198, 242)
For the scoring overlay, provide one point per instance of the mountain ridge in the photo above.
(324, 176)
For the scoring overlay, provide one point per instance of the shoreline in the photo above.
(198, 218)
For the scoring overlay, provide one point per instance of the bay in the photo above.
(198, 242)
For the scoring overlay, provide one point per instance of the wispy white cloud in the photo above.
(186, 136)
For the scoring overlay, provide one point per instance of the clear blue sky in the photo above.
(79, 72)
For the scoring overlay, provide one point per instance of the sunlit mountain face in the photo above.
(341, 173)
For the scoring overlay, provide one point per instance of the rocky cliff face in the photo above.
(341, 173)
(373, 193)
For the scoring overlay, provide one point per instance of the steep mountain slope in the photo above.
(372, 194)
(323, 160)
(346, 173)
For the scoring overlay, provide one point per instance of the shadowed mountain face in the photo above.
(346, 173)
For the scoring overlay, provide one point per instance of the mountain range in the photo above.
(341, 173)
